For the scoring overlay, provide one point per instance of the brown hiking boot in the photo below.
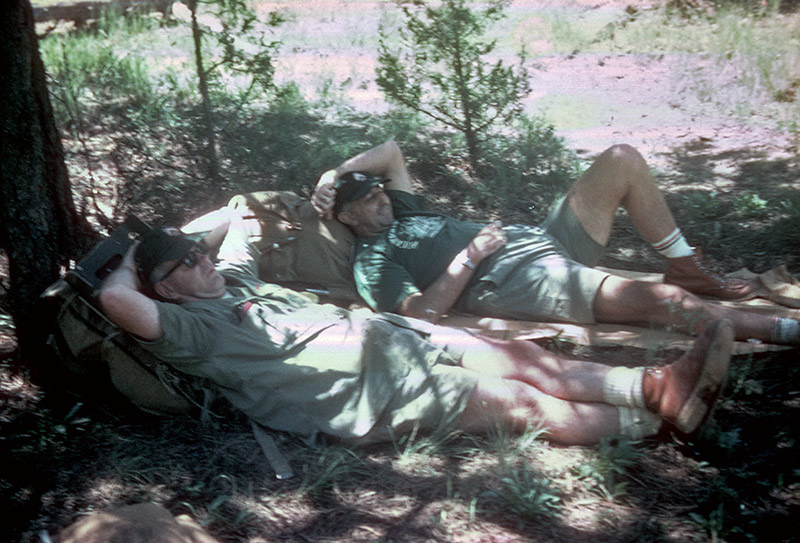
(689, 273)
(684, 392)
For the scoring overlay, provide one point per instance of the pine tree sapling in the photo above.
(441, 69)
(241, 50)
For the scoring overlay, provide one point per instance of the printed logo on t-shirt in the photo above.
(406, 234)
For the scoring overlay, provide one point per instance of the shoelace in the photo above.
(711, 274)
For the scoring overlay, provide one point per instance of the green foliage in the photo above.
(742, 378)
(715, 517)
(412, 445)
(334, 466)
(243, 56)
(241, 52)
(529, 163)
(750, 205)
(86, 70)
(441, 70)
(529, 494)
(116, 20)
(521, 488)
(704, 206)
(51, 432)
(606, 470)
(790, 226)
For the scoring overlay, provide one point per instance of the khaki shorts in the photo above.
(563, 225)
(429, 400)
(542, 274)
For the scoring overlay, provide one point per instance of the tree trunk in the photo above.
(465, 103)
(211, 139)
(39, 227)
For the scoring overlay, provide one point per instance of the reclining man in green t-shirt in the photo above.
(294, 365)
(423, 264)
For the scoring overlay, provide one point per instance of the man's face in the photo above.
(369, 215)
(192, 277)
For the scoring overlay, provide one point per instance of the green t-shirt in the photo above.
(410, 255)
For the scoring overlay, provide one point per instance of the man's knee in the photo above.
(627, 300)
(623, 153)
(627, 164)
(609, 177)
(499, 403)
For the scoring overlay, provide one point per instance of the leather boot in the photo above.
(689, 273)
(684, 392)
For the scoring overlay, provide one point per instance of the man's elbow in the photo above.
(107, 297)
(112, 300)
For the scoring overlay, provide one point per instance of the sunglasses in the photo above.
(189, 260)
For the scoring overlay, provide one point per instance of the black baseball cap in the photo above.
(160, 245)
(354, 185)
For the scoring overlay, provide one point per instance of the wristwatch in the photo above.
(468, 263)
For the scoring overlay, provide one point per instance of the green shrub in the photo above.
(608, 466)
(443, 70)
(88, 73)
(529, 164)
(750, 206)
(703, 206)
(529, 494)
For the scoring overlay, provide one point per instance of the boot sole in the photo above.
(711, 380)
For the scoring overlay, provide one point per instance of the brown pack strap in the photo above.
(276, 460)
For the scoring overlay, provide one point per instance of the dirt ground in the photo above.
(737, 481)
(678, 110)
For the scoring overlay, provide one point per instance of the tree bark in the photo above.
(208, 115)
(39, 226)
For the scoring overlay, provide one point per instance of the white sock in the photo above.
(623, 387)
(786, 331)
(638, 423)
(674, 245)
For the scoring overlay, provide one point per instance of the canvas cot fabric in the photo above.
(297, 366)
(536, 276)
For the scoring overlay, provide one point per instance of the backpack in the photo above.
(94, 349)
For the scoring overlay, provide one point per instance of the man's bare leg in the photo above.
(563, 378)
(521, 376)
(620, 177)
(515, 405)
(625, 301)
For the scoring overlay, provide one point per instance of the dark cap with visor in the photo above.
(354, 185)
(160, 245)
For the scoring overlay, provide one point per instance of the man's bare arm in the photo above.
(124, 303)
(436, 300)
(384, 160)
